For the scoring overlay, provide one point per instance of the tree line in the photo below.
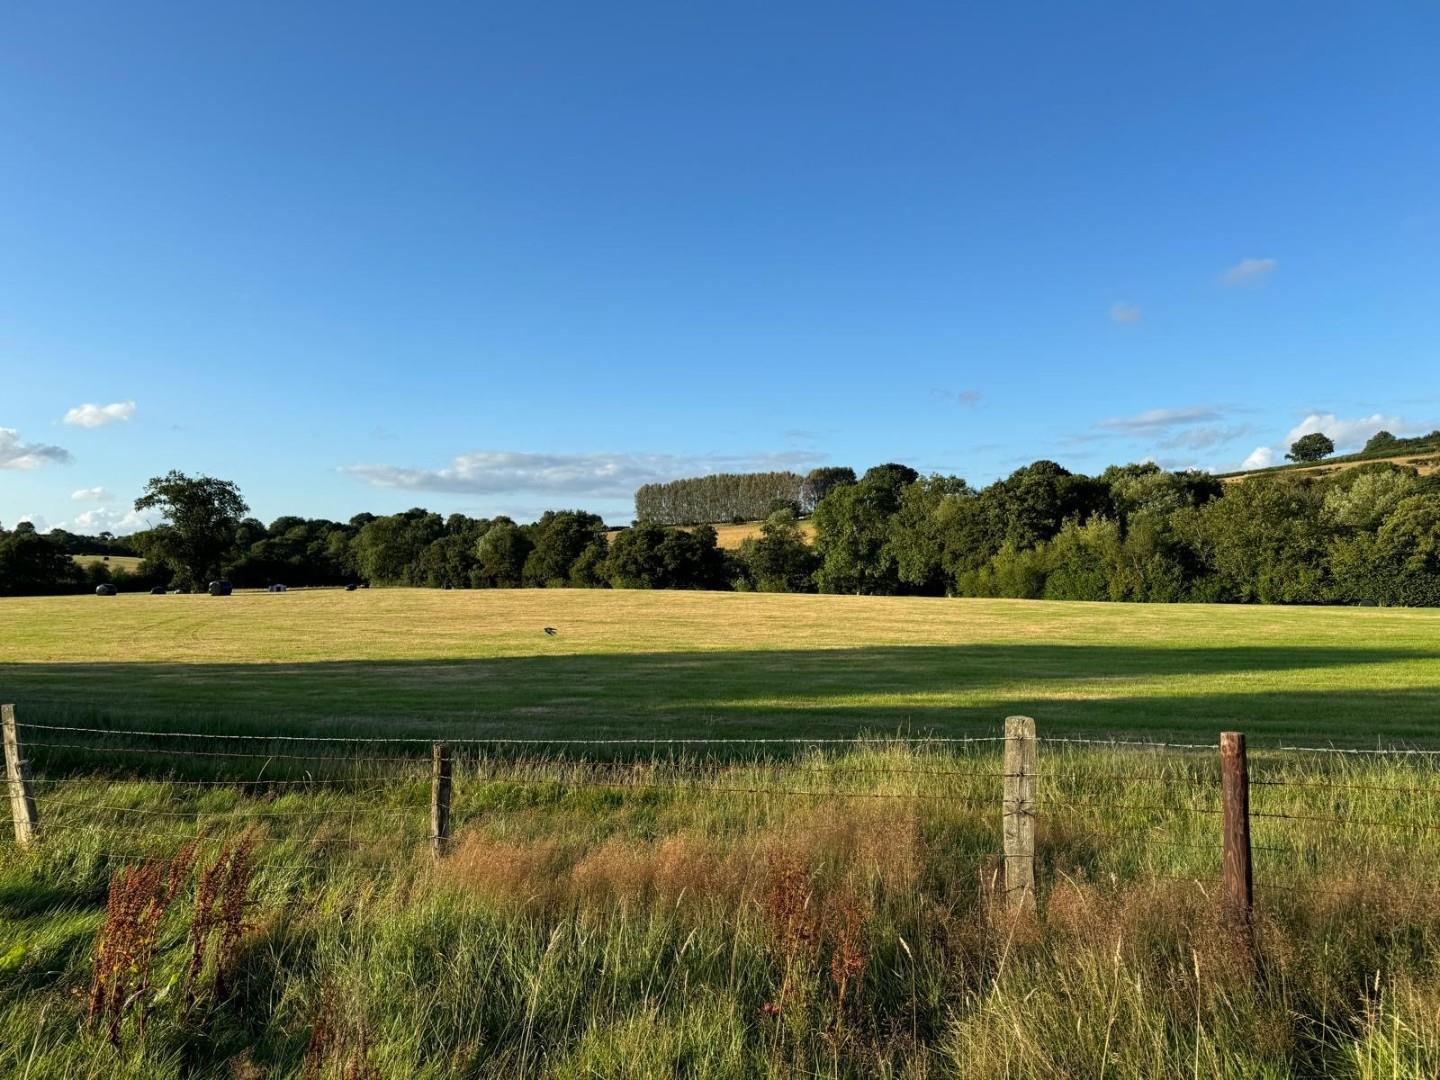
(1369, 534)
(735, 497)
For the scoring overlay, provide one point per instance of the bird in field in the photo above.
(550, 631)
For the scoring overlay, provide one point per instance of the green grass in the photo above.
(680, 917)
(647, 664)
(724, 912)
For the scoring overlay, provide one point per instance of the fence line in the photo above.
(506, 741)
(1036, 790)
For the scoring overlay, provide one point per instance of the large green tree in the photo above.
(200, 516)
(1312, 447)
(662, 557)
(779, 559)
(852, 533)
(1265, 541)
(560, 537)
(388, 549)
(33, 565)
(925, 530)
(501, 553)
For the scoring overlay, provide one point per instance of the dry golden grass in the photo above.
(730, 537)
(130, 563)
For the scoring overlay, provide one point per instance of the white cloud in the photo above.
(93, 416)
(506, 472)
(15, 454)
(1159, 419)
(95, 494)
(1125, 313)
(104, 520)
(1262, 457)
(1249, 272)
(968, 398)
(1347, 434)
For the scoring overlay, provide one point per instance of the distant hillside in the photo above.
(1422, 455)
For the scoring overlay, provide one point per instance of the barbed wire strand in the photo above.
(508, 741)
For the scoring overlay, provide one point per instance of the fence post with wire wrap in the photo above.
(440, 799)
(1237, 883)
(1019, 816)
(17, 777)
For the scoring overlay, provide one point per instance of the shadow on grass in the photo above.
(1326, 693)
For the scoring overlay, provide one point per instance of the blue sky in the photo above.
(498, 258)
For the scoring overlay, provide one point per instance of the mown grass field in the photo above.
(645, 664)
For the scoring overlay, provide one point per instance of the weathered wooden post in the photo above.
(440, 799)
(1019, 823)
(17, 780)
(1237, 885)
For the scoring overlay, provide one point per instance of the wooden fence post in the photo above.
(1237, 884)
(17, 777)
(440, 799)
(1019, 823)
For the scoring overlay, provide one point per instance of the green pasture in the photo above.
(654, 664)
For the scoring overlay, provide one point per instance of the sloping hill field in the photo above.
(1423, 462)
(662, 664)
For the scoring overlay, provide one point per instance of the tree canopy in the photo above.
(1312, 447)
(200, 517)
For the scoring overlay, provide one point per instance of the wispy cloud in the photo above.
(1126, 314)
(1160, 419)
(107, 520)
(1249, 272)
(93, 416)
(91, 494)
(507, 472)
(966, 398)
(15, 454)
(1204, 437)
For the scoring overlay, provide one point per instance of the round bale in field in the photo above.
(158, 590)
(221, 588)
(105, 590)
(351, 588)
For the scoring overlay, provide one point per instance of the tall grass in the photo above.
(823, 915)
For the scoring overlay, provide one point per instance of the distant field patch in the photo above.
(130, 563)
(730, 537)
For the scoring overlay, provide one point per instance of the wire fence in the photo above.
(1316, 819)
